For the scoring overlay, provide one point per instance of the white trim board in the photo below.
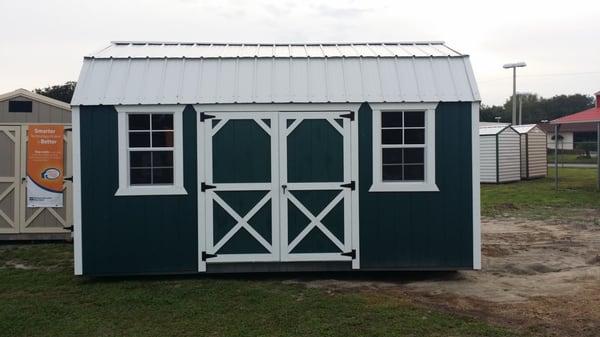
(428, 185)
(177, 188)
(77, 235)
(476, 185)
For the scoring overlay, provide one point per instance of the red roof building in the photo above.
(587, 116)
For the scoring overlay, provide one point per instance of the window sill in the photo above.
(151, 190)
(404, 187)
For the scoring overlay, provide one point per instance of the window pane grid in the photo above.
(151, 134)
(403, 145)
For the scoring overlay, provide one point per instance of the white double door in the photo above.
(277, 186)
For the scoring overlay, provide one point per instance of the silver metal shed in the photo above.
(499, 146)
(534, 158)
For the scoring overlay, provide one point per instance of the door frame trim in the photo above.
(16, 182)
(276, 109)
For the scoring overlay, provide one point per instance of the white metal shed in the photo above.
(534, 159)
(499, 147)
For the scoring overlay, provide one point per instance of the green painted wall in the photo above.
(133, 234)
(158, 234)
(421, 230)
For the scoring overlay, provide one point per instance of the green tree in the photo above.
(536, 108)
(62, 92)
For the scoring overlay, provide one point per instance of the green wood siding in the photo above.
(421, 230)
(133, 234)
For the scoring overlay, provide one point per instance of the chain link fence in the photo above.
(573, 152)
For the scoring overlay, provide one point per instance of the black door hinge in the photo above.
(206, 256)
(70, 228)
(351, 253)
(204, 116)
(351, 185)
(69, 179)
(348, 115)
(205, 186)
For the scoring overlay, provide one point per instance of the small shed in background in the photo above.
(18, 110)
(499, 146)
(534, 159)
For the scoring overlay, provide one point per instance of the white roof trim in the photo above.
(147, 49)
(524, 128)
(35, 97)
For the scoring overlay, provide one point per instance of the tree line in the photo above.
(536, 108)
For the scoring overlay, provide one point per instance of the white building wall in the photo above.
(509, 155)
(487, 158)
(566, 143)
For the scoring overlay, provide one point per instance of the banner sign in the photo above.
(45, 171)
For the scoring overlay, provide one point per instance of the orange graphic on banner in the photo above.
(45, 156)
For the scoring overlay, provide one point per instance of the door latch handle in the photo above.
(284, 187)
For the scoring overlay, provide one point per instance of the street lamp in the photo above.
(514, 67)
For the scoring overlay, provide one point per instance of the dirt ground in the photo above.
(541, 277)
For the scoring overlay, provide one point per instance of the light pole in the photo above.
(514, 67)
(521, 94)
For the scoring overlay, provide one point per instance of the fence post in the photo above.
(556, 126)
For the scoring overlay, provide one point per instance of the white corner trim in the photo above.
(476, 186)
(76, 148)
(124, 188)
(429, 184)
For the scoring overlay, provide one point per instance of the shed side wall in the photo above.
(421, 230)
(133, 234)
(538, 159)
(509, 155)
(41, 113)
(487, 158)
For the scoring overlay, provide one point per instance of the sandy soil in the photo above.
(538, 276)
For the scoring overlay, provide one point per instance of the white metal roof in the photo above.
(524, 128)
(126, 49)
(488, 129)
(197, 73)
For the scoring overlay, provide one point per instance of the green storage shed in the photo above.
(201, 157)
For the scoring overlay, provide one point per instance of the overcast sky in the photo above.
(43, 42)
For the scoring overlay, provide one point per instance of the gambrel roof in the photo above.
(204, 73)
(35, 97)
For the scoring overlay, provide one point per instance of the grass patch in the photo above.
(47, 300)
(538, 198)
(571, 158)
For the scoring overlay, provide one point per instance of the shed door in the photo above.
(315, 177)
(47, 219)
(241, 186)
(10, 180)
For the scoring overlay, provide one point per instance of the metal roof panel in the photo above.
(153, 73)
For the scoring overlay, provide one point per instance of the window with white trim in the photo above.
(404, 148)
(150, 150)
